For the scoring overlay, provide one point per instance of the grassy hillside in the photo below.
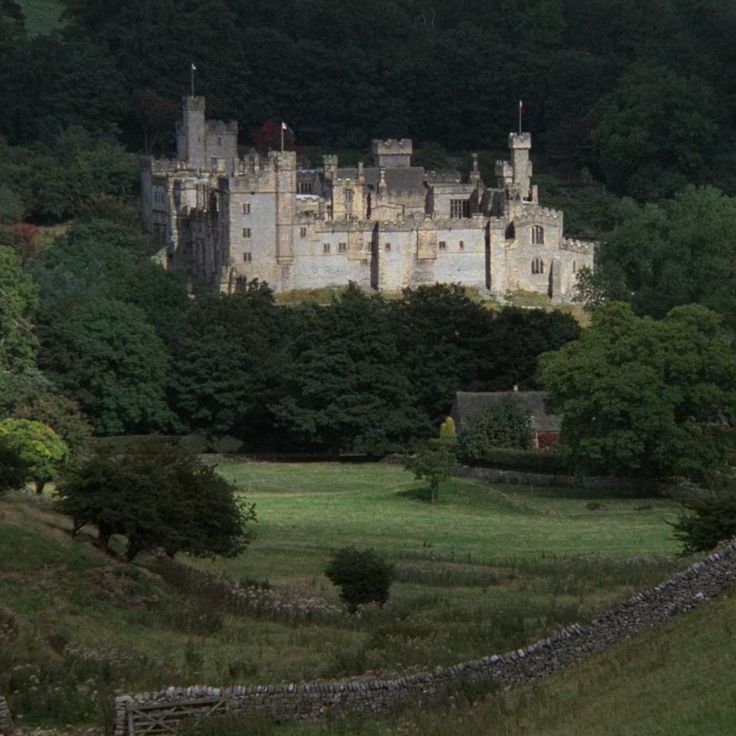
(42, 16)
(487, 569)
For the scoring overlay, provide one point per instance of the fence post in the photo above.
(121, 716)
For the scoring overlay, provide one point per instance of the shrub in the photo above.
(711, 519)
(529, 461)
(435, 462)
(362, 575)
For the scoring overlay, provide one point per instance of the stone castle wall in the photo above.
(318, 700)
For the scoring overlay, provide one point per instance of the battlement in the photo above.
(392, 152)
(534, 213)
(193, 104)
(586, 247)
(520, 140)
(222, 127)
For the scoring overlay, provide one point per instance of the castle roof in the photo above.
(469, 404)
(401, 179)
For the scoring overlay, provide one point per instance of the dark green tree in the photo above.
(104, 355)
(679, 251)
(641, 397)
(158, 496)
(230, 357)
(346, 388)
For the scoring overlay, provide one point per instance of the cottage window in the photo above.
(342, 247)
(538, 235)
(246, 208)
(247, 257)
(325, 247)
(537, 265)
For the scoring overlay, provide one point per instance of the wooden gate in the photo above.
(142, 719)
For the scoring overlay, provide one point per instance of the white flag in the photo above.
(194, 68)
(284, 126)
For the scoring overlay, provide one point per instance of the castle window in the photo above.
(219, 140)
(246, 232)
(462, 245)
(342, 247)
(537, 235)
(574, 267)
(247, 257)
(459, 208)
(246, 208)
(348, 197)
(387, 246)
(325, 247)
(537, 265)
(304, 187)
(510, 231)
(442, 245)
(302, 232)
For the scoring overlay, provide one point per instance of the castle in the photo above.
(225, 220)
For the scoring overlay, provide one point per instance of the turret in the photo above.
(520, 144)
(392, 153)
(192, 133)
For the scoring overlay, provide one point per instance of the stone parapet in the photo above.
(586, 247)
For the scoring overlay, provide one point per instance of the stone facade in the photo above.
(226, 220)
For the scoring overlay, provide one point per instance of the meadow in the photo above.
(484, 570)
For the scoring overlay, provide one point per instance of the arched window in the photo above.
(537, 265)
(538, 235)
(510, 231)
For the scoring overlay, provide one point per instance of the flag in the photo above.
(194, 68)
(284, 126)
(521, 105)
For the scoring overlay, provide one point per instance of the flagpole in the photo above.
(192, 68)
(282, 137)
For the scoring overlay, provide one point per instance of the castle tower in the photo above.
(520, 144)
(191, 138)
(284, 163)
(392, 153)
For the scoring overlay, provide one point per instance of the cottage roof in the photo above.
(469, 404)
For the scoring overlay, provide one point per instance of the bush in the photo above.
(362, 575)
(435, 462)
(527, 461)
(711, 519)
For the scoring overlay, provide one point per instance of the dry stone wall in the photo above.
(318, 700)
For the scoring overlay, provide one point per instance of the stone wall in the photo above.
(6, 722)
(318, 700)
(593, 483)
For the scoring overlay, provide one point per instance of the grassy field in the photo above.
(42, 16)
(485, 570)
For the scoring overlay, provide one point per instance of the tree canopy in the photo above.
(645, 397)
(157, 495)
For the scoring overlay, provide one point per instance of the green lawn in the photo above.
(42, 16)
(307, 510)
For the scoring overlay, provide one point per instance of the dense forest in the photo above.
(636, 93)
